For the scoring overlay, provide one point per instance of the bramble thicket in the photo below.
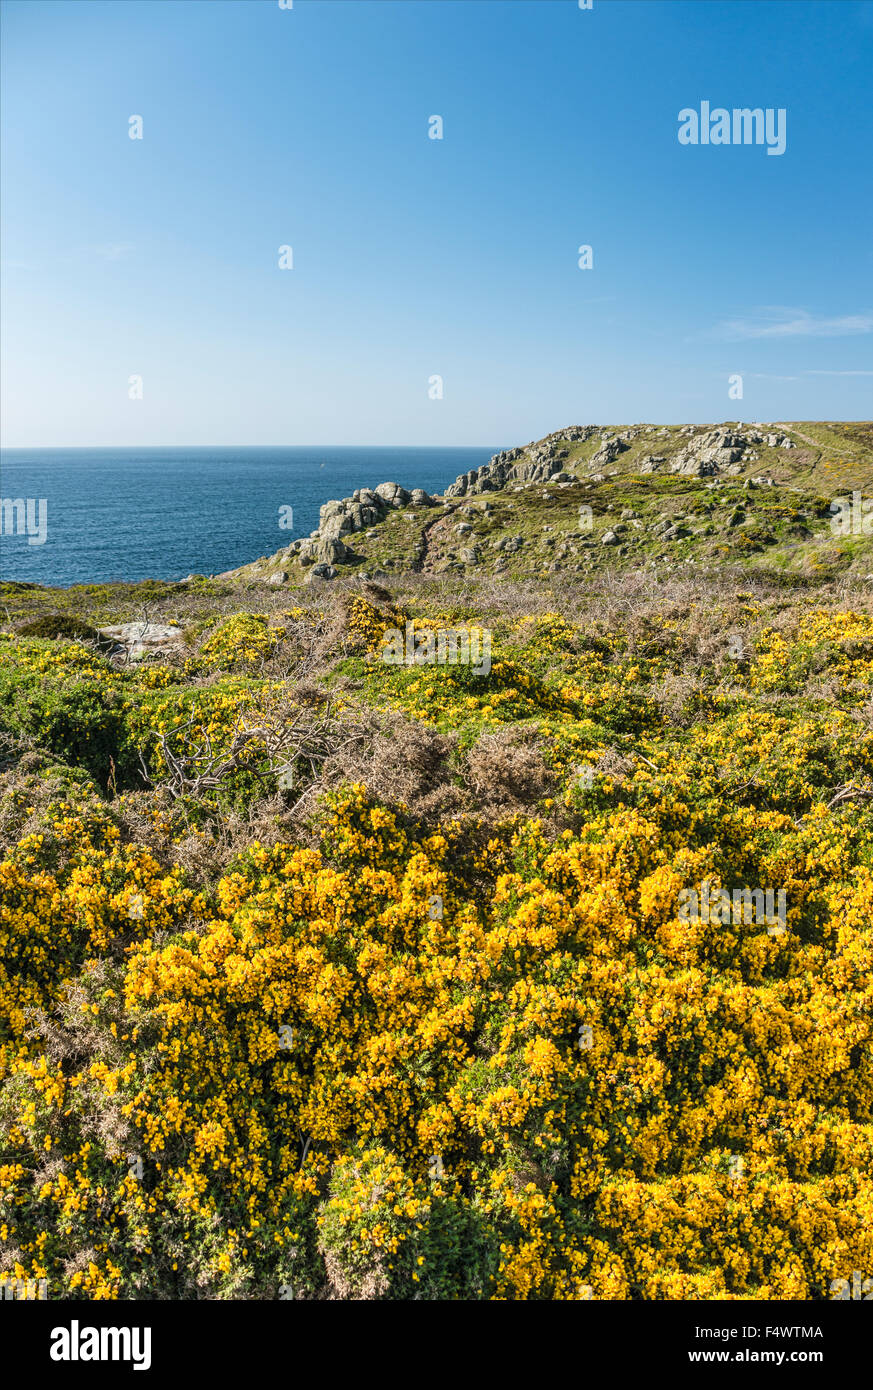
(400, 1003)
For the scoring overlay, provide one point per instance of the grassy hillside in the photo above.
(323, 976)
(781, 525)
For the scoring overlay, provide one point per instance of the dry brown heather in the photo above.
(323, 977)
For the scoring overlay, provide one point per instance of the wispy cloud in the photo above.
(779, 322)
(815, 372)
(768, 376)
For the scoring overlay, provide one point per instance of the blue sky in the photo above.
(415, 257)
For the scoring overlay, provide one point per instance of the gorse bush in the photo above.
(390, 1055)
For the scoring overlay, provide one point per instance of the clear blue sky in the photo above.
(415, 257)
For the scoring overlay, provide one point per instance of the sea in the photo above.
(100, 515)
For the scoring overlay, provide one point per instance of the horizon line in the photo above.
(4, 447)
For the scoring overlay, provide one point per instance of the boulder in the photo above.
(137, 640)
(333, 528)
(321, 571)
(609, 450)
(331, 551)
(691, 465)
(336, 517)
(393, 494)
(150, 634)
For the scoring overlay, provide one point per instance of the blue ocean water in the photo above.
(163, 513)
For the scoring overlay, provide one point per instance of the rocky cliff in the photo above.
(639, 490)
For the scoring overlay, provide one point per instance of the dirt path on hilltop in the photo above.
(822, 448)
(421, 563)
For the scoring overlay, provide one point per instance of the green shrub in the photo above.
(80, 722)
(54, 625)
